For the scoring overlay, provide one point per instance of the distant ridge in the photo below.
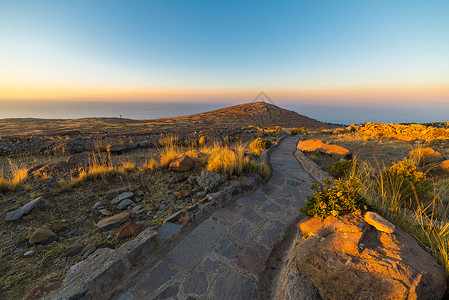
(256, 113)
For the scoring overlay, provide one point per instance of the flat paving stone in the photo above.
(280, 201)
(253, 258)
(195, 246)
(223, 217)
(169, 229)
(169, 293)
(293, 190)
(212, 266)
(156, 277)
(126, 296)
(242, 231)
(272, 232)
(252, 216)
(277, 181)
(233, 286)
(227, 248)
(196, 283)
(270, 208)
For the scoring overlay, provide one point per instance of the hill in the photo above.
(259, 114)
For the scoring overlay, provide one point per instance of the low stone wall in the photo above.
(312, 168)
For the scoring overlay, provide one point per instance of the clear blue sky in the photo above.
(156, 47)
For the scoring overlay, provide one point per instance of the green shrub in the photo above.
(404, 181)
(341, 168)
(344, 197)
(259, 144)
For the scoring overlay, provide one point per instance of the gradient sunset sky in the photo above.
(375, 50)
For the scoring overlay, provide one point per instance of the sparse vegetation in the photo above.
(18, 175)
(260, 144)
(341, 168)
(404, 183)
(344, 197)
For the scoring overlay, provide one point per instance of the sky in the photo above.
(320, 51)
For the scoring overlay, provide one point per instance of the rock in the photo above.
(42, 289)
(426, 156)
(130, 229)
(137, 208)
(28, 253)
(43, 204)
(115, 192)
(177, 178)
(182, 194)
(57, 227)
(122, 197)
(299, 287)
(117, 149)
(169, 229)
(174, 217)
(88, 250)
(113, 221)
(444, 165)
(105, 212)
(42, 236)
(124, 204)
(236, 178)
(318, 145)
(73, 249)
(98, 205)
(185, 220)
(78, 160)
(18, 213)
(182, 164)
(378, 222)
(14, 215)
(345, 258)
(107, 245)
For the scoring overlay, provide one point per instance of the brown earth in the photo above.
(259, 114)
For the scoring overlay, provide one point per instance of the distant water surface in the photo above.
(141, 110)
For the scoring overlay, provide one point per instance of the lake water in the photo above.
(341, 113)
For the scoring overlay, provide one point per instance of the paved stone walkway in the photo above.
(224, 256)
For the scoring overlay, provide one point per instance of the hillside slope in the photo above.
(255, 113)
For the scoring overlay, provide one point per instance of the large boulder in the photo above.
(320, 146)
(426, 156)
(346, 258)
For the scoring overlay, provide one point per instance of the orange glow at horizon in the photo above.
(396, 93)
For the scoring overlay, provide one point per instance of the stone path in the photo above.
(225, 255)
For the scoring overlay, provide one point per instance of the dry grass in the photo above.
(168, 154)
(150, 165)
(384, 192)
(18, 175)
(97, 168)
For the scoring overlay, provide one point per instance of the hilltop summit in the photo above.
(259, 114)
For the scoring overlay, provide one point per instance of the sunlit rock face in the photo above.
(346, 258)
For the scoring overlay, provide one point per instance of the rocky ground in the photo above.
(65, 226)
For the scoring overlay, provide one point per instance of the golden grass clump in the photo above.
(150, 165)
(234, 162)
(168, 154)
(18, 175)
(126, 166)
(168, 140)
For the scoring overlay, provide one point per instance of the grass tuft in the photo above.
(18, 175)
